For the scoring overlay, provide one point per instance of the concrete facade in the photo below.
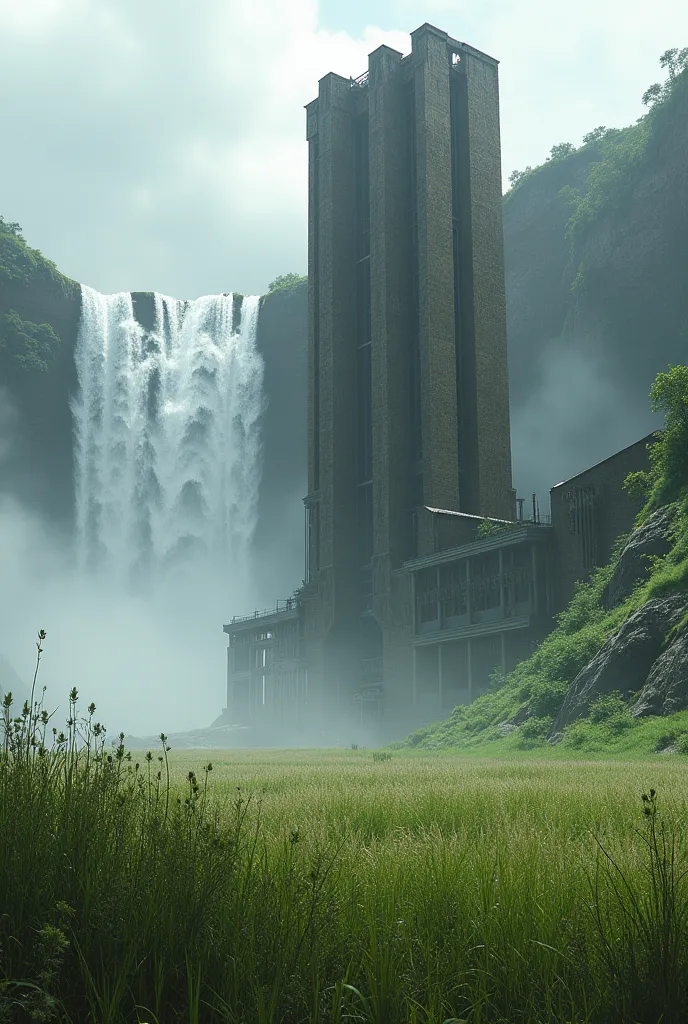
(591, 510)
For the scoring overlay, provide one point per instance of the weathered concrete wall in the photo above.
(613, 513)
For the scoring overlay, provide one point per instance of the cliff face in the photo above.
(596, 309)
(35, 419)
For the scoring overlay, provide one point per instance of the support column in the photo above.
(440, 681)
(502, 602)
(469, 659)
(469, 603)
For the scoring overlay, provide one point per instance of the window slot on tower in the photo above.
(361, 185)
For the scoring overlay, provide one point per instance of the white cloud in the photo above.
(162, 145)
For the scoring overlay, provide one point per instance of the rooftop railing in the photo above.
(359, 82)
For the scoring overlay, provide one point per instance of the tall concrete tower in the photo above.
(408, 382)
(408, 607)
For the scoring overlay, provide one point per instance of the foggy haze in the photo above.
(151, 661)
(576, 414)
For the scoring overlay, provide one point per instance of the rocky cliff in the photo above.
(35, 420)
(597, 304)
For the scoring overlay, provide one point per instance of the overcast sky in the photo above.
(160, 144)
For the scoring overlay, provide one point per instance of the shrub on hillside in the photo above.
(536, 728)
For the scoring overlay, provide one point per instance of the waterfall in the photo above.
(166, 433)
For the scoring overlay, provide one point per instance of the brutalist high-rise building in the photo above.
(409, 605)
(408, 384)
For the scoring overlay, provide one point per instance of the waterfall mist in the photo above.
(167, 461)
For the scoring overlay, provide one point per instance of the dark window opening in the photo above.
(485, 582)
(363, 321)
(241, 658)
(364, 523)
(361, 185)
(312, 541)
(427, 596)
(454, 590)
(316, 314)
(364, 419)
(415, 404)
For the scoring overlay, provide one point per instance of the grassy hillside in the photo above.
(519, 710)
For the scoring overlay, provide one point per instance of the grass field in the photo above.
(308, 886)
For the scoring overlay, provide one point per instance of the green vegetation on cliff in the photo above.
(519, 710)
(617, 156)
(19, 262)
(616, 149)
(287, 284)
(27, 345)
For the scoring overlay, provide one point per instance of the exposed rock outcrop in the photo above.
(626, 660)
(666, 689)
(653, 538)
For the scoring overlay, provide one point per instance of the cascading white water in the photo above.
(167, 445)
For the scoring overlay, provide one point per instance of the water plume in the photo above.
(167, 434)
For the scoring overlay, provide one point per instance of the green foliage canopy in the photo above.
(286, 283)
(667, 479)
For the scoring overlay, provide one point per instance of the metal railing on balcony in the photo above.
(289, 604)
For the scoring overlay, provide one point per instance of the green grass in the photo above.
(304, 886)
(622, 737)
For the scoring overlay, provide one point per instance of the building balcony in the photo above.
(281, 610)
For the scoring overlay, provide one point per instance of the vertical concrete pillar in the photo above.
(435, 268)
(469, 659)
(481, 142)
(336, 322)
(390, 306)
(469, 603)
(502, 602)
